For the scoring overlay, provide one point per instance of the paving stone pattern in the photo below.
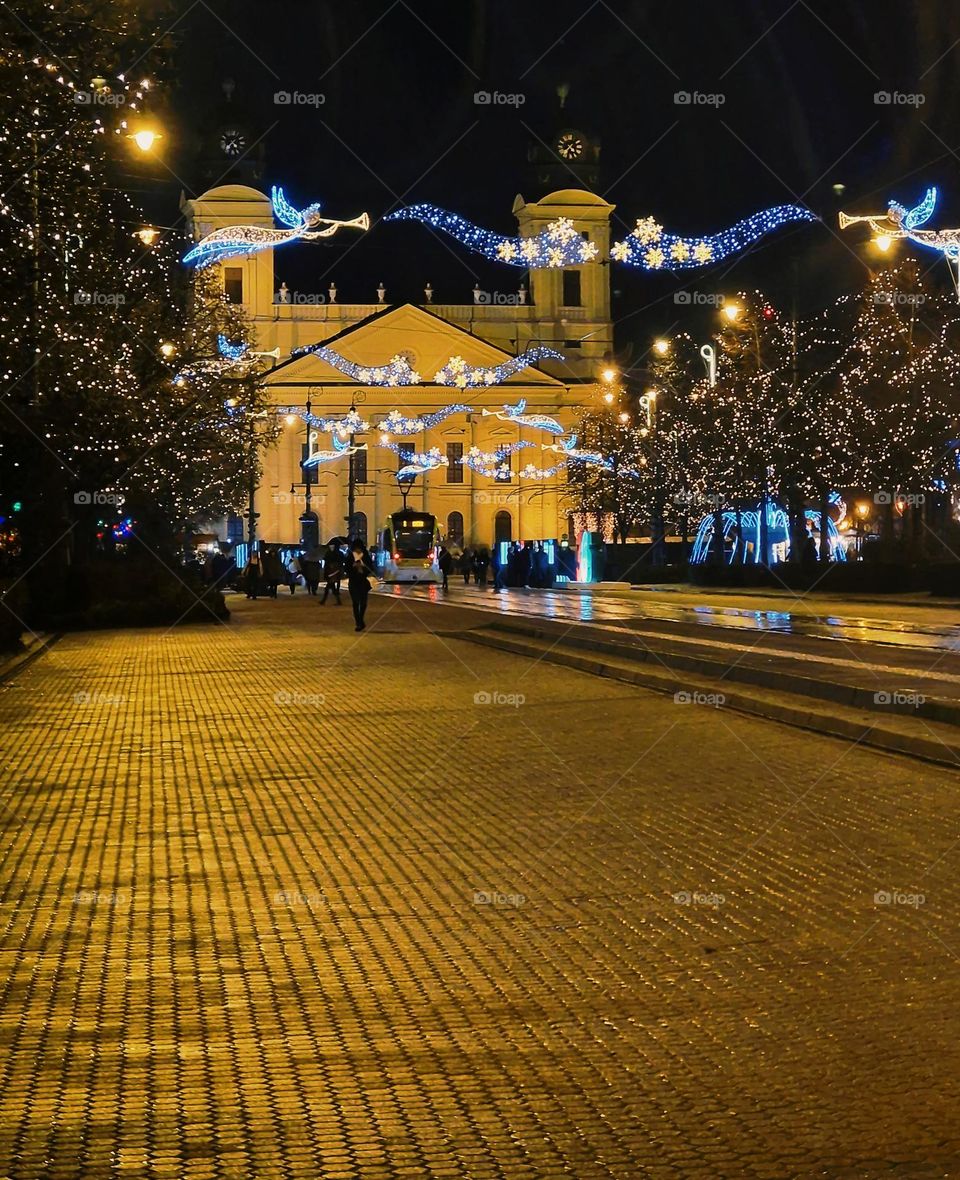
(281, 901)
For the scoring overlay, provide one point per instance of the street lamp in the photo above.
(661, 347)
(609, 376)
(144, 138)
(731, 311)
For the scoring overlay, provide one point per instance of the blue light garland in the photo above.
(652, 249)
(396, 422)
(456, 372)
(230, 352)
(350, 423)
(559, 245)
(568, 448)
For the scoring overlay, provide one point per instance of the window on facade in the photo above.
(504, 472)
(571, 288)
(234, 529)
(571, 344)
(360, 467)
(360, 524)
(233, 283)
(454, 465)
(455, 528)
(502, 526)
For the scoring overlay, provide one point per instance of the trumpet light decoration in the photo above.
(235, 241)
(518, 416)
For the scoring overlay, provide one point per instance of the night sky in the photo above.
(399, 124)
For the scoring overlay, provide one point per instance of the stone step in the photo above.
(857, 684)
(913, 737)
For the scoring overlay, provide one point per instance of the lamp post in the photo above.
(352, 482)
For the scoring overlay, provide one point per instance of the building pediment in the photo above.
(426, 340)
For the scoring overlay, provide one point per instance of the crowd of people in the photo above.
(265, 572)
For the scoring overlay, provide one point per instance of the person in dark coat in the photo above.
(445, 561)
(358, 571)
(481, 560)
(252, 575)
(466, 565)
(539, 568)
(332, 573)
(522, 574)
(499, 571)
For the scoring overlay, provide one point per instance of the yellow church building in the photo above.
(565, 309)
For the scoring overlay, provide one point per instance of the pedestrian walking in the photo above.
(252, 575)
(466, 565)
(481, 563)
(332, 573)
(445, 561)
(360, 580)
(293, 572)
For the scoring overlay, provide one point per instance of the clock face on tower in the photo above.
(232, 142)
(569, 145)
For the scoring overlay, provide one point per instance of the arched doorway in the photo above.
(455, 528)
(360, 526)
(502, 526)
(309, 530)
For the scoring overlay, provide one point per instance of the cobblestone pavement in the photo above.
(278, 900)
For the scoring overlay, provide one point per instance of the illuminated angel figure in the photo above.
(568, 448)
(419, 462)
(232, 241)
(340, 451)
(899, 222)
(517, 415)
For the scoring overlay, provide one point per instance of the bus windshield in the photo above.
(414, 539)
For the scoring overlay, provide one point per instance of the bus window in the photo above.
(414, 538)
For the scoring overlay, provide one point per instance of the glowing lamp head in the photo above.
(290, 419)
(624, 417)
(167, 349)
(731, 311)
(609, 375)
(148, 235)
(608, 398)
(863, 509)
(883, 242)
(145, 138)
(661, 347)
